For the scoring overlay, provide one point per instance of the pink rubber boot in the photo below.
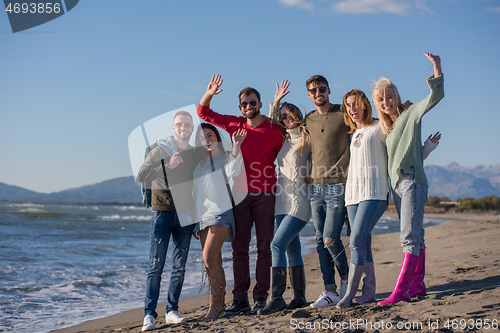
(418, 286)
(404, 281)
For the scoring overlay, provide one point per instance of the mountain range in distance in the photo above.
(452, 181)
(117, 190)
(455, 181)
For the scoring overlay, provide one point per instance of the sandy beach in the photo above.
(462, 278)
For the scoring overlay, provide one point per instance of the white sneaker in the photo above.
(149, 323)
(343, 288)
(326, 299)
(173, 317)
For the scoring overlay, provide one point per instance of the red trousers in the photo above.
(256, 208)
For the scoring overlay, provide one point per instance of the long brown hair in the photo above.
(199, 133)
(361, 100)
(294, 112)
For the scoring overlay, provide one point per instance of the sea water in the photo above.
(61, 265)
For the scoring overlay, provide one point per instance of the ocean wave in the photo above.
(93, 207)
(107, 274)
(89, 283)
(35, 211)
(117, 217)
(131, 208)
(26, 204)
(27, 288)
(96, 250)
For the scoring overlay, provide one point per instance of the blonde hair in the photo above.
(383, 83)
(294, 112)
(361, 100)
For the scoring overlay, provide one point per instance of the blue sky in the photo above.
(73, 89)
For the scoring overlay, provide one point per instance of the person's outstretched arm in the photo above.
(234, 165)
(435, 83)
(430, 144)
(204, 111)
(212, 89)
(436, 63)
(281, 91)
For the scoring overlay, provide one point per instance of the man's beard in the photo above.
(252, 115)
(320, 103)
(183, 137)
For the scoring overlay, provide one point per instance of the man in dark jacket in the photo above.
(171, 179)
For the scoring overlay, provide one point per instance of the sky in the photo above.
(73, 89)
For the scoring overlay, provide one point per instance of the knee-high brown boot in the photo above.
(217, 281)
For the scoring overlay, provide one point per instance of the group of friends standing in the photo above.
(337, 159)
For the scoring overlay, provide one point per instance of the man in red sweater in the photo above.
(254, 188)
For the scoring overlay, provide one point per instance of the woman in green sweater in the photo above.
(407, 176)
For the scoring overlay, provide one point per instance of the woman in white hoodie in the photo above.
(214, 206)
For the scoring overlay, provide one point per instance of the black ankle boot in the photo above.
(278, 286)
(298, 282)
(239, 306)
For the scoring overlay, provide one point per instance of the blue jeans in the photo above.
(328, 213)
(410, 199)
(363, 217)
(286, 242)
(163, 225)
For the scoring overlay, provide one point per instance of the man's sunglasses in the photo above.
(314, 90)
(245, 104)
(186, 125)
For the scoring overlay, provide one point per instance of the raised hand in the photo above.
(281, 91)
(212, 89)
(435, 139)
(238, 138)
(428, 147)
(214, 85)
(436, 63)
(435, 59)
